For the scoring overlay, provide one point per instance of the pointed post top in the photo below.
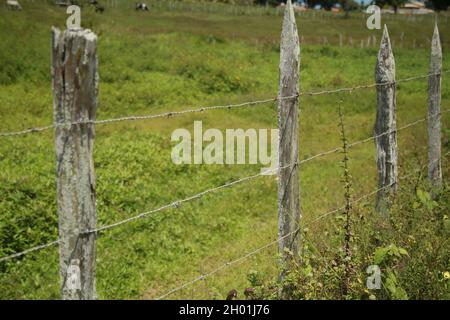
(289, 44)
(289, 33)
(436, 52)
(289, 16)
(436, 49)
(385, 67)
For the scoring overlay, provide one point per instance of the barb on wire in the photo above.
(202, 109)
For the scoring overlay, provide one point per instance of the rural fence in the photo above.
(75, 86)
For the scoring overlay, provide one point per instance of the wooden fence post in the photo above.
(434, 111)
(75, 86)
(288, 179)
(385, 125)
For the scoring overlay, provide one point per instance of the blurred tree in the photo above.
(438, 5)
(348, 5)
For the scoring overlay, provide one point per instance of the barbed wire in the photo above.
(202, 109)
(371, 85)
(337, 149)
(268, 245)
(147, 117)
(177, 203)
(259, 249)
(40, 247)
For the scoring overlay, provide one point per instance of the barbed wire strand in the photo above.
(40, 247)
(202, 109)
(372, 85)
(337, 149)
(147, 117)
(177, 203)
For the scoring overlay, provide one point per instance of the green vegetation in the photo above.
(178, 59)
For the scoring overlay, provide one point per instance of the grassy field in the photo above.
(174, 59)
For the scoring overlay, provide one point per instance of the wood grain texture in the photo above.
(434, 111)
(386, 145)
(75, 88)
(288, 113)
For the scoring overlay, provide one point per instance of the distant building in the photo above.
(414, 7)
(336, 8)
(300, 6)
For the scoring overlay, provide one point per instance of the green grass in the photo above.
(174, 60)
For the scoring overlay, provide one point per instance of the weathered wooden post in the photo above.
(288, 178)
(434, 112)
(385, 125)
(75, 87)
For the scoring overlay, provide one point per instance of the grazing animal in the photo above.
(99, 8)
(13, 5)
(141, 6)
(232, 294)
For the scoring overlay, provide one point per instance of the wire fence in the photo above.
(177, 203)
